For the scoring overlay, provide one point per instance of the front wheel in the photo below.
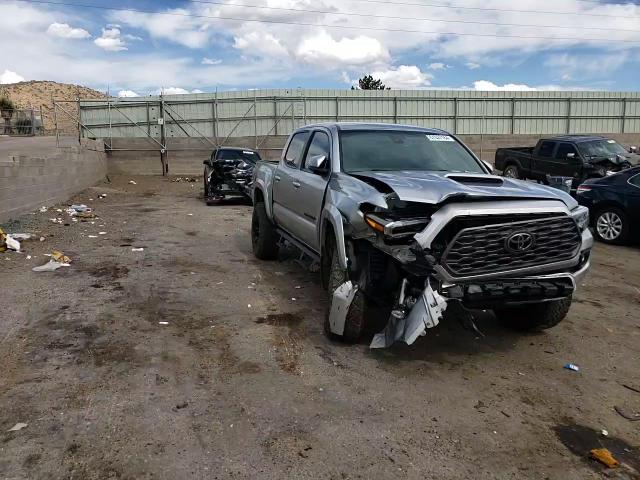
(511, 171)
(264, 237)
(534, 317)
(205, 183)
(611, 226)
(354, 322)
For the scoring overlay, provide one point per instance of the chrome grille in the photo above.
(482, 250)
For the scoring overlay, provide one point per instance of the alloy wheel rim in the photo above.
(510, 172)
(609, 225)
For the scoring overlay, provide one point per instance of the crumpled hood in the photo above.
(632, 158)
(436, 187)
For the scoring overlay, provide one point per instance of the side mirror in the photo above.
(207, 162)
(488, 165)
(633, 149)
(318, 164)
(571, 155)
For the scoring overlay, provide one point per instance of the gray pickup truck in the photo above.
(406, 221)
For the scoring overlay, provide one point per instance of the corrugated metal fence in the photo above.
(261, 113)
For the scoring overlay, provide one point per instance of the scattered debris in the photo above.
(18, 426)
(56, 220)
(22, 236)
(604, 433)
(12, 243)
(190, 214)
(604, 456)
(102, 195)
(42, 239)
(182, 405)
(58, 259)
(28, 257)
(137, 249)
(629, 387)
(631, 416)
(132, 182)
(571, 366)
(43, 209)
(163, 323)
(92, 236)
(184, 179)
(102, 233)
(505, 414)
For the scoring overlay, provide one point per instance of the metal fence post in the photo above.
(395, 109)
(568, 115)
(255, 120)
(33, 122)
(275, 114)
(513, 115)
(624, 115)
(163, 149)
(455, 115)
(148, 120)
(55, 122)
(79, 119)
(337, 109)
(215, 117)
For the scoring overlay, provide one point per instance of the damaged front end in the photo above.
(422, 259)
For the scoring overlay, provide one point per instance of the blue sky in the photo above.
(139, 47)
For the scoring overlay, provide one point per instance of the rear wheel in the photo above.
(534, 317)
(511, 171)
(611, 226)
(355, 320)
(264, 237)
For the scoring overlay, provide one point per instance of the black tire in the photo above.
(354, 323)
(512, 171)
(205, 184)
(534, 317)
(264, 237)
(611, 225)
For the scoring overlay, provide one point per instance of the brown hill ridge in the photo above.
(38, 94)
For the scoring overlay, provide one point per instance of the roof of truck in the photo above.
(375, 126)
(577, 138)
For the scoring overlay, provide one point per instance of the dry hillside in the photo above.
(39, 94)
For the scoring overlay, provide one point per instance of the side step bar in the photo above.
(299, 245)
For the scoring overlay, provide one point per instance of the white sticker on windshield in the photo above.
(611, 141)
(440, 138)
(247, 152)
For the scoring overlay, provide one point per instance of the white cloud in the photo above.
(127, 93)
(64, 30)
(322, 49)
(438, 66)
(488, 86)
(177, 26)
(472, 65)
(10, 77)
(588, 65)
(210, 61)
(196, 90)
(110, 40)
(404, 76)
(175, 91)
(260, 42)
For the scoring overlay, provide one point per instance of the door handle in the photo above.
(277, 178)
(295, 184)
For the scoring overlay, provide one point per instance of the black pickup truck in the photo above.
(577, 156)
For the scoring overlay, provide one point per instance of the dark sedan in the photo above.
(614, 203)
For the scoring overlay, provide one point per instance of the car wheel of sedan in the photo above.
(611, 226)
(534, 317)
(355, 320)
(264, 237)
(512, 171)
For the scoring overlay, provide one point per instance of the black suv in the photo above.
(228, 172)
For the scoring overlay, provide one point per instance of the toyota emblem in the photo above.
(519, 242)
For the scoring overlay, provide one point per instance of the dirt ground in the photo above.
(242, 383)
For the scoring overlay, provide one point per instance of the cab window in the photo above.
(293, 154)
(319, 146)
(564, 149)
(546, 149)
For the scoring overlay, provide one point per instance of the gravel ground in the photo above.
(242, 383)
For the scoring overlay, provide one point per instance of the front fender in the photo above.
(263, 181)
(332, 216)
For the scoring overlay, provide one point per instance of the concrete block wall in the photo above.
(185, 155)
(28, 182)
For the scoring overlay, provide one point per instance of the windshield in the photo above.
(246, 155)
(388, 150)
(602, 148)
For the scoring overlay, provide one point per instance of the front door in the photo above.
(310, 190)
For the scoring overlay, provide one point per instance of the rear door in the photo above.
(284, 190)
(310, 188)
(543, 160)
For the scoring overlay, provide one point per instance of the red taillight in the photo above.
(584, 188)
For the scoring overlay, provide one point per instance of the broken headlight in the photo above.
(395, 227)
(581, 216)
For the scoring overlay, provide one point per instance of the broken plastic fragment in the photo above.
(426, 313)
(50, 266)
(12, 243)
(132, 182)
(17, 426)
(340, 303)
(137, 249)
(605, 457)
